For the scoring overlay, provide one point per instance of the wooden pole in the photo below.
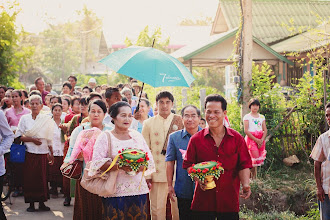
(247, 54)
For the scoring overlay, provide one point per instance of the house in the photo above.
(274, 21)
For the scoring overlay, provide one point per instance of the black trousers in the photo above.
(185, 212)
(215, 215)
(2, 214)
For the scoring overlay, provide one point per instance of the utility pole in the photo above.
(247, 54)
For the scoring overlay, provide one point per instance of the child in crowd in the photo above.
(256, 132)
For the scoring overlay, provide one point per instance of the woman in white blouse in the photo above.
(55, 176)
(130, 198)
(36, 131)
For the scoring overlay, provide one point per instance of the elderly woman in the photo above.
(36, 131)
(130, 199)
(87, 205)
(13, 116)
(128, 94)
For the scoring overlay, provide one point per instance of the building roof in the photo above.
(306, 41)
(269, 15)
(220, 47)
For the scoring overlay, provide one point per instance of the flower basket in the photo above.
(206, 172)
(134, 158)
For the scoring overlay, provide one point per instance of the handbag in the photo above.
(73, 170)
(17, 153)
(102, 183)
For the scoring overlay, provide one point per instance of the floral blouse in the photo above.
(126, 185)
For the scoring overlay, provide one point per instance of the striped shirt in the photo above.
(320, 153)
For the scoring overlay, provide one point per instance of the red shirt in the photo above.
(234, 156)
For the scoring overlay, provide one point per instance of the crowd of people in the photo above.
(81, 123)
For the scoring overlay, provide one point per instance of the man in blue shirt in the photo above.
(176, 149)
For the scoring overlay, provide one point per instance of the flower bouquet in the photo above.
(133, 158)
(206, 171)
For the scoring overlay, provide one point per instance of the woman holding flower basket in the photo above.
(134, 162)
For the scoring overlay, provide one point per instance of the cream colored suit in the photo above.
(154, 131)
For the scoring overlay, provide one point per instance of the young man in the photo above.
(223, 144)
(176, 150)
(319, 154)
(73, 82)
(156, 131)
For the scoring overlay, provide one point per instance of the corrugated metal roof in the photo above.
(268, 16)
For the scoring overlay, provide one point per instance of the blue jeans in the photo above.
(324, 208)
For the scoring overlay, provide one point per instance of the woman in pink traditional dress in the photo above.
(13, 116)
(130, 199)
(256, 132)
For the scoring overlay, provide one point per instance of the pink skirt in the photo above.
(253, 149)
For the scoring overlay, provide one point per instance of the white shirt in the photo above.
(255, 124)
(58, 146)
(26, 123)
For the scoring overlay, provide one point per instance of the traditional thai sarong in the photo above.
(54, 172)
(35, 184)
(253, 146)
(127, 207)
(86, 205)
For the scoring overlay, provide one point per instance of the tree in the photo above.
(12, 56)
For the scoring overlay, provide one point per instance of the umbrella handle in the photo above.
(138, 105)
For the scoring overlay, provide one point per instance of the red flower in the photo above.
(147, 158)
(119, 152)
(134, 152)
(193, 170)
(121, 156)
(141, 159)
(190, 170)
(213, 168)
(198, 170)
(193, 165)
(205, 170)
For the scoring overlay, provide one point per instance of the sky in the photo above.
(120, 16)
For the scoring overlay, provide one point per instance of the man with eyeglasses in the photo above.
(176, 150)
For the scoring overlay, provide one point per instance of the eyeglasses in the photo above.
(190, 116)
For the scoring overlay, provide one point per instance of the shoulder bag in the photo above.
(102, 183)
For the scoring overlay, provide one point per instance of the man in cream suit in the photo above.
(156, 131)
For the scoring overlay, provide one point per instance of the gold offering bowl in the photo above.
(209, 182)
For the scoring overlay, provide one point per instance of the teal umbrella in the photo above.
(150, 66)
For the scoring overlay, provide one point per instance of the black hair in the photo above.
(57, 104)
(26, 101)
(216, 98)
(3, 87)
(254, 101)
(73, 77)
(19, 92)
(100, 103)
(83, 101)
(35, 92)
(25, 93)
(203, 119)
(327, 105)
(187, 106)
(98, 87)
(59, 100)
(114, 109)
(49, 84)
(75, 98)
(146, 101)
(92, 95)
(173, 111)
(9, 87)
(109, 91)
(86, 87)
(124, 99)
(66, 99)
(164, 94)
(68, 84)
(120, 85)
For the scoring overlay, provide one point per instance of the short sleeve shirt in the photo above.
(320, 153)
(255, 124)
(176, 150)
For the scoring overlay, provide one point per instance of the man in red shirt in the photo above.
(40, 84)
(227, 146)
